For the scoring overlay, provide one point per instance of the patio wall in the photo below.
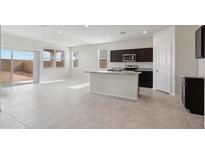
(19, 65)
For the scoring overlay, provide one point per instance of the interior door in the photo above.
(163, 69)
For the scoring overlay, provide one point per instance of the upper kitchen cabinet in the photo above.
(145, 55)
(199, 42)
(128, 51)
(116, 56)
(142, 55)
(148, 55)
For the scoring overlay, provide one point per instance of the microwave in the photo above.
(129, 58)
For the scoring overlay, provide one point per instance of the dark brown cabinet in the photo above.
(193, 94)
(146, 79)
(116, 56)
(139, 55)
(200, 42)
(128, 51)
(148, 55)
(142, 55)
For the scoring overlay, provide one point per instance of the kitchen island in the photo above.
(122, 84)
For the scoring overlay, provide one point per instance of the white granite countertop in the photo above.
(189, 76)
(113, 72)
(145, 69)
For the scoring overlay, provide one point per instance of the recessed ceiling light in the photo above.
(123, 33)
(86, 26)
(107, 37)
(40, 37)
(144, 32)
(60, 32)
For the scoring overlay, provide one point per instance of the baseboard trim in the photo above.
(172, 94)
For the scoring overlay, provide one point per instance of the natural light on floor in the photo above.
(79, 86)
(52, 81)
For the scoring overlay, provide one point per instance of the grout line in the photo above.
(17, 120)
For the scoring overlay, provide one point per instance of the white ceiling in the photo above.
(75, 35)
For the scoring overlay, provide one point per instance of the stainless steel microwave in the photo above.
(129, 58)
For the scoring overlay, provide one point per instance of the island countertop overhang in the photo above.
(113, 72)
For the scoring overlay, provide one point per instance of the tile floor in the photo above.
(68, 104)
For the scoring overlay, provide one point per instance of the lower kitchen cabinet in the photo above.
(193, 94)
(146, 79)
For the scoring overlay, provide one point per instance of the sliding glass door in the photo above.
(16, 67)
(22, 66)
(5, 66)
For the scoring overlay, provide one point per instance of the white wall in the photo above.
(46, 74)
(88, 56)
(201, 67)
(186, 64)
(166, 36)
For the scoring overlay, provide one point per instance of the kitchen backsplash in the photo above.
(140, 64)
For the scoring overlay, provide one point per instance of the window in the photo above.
(53, 58)
(48, 58)
(59, 58)
(102, 59)
(75, 59)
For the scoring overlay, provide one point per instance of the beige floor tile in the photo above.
(57, 105)
(7, 122)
